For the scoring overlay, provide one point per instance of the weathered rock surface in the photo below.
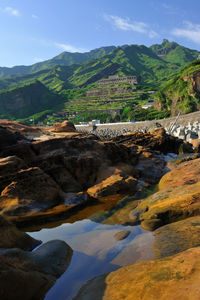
(28, 190)
(175, 278)
(177, 237)
(11, 237)
(178, 197)
(115, 184)
(20, 129)
(29, 275)
(35, 176)
(156, 140)
(65, 126)
(151, 166)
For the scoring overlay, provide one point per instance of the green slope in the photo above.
(27, 100)
(182, 93)
(132, 60)
(155, 65)
(55, 78)
(63, 59)
(174, 53)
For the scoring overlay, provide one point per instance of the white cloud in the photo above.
(126, 25)
(70, 48)
(35, 17)
(190, 31)
(12, 11)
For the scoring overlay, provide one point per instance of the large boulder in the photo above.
(175, 277)
(29, 190)
(115, 184)
(11, 237)
(178, 197)
(176, 237)
(29, 275)
(65, 126)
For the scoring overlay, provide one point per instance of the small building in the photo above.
(115, 79)
(150, 103)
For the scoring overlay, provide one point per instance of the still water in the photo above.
(95, 249)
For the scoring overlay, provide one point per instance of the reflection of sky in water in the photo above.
(94, 248)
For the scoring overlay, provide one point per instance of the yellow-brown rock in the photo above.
(31, 190)
(174, 278)
(176, 237)
(115, 184)
(65, 126)
(178, 197)
(186, 173)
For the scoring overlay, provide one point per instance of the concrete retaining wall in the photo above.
(113, 129)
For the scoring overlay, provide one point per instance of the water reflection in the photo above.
(90, 233)
(96, 252)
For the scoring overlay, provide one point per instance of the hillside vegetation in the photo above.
(69, 75)
(23, 102)
(63, 59)
(182, 93)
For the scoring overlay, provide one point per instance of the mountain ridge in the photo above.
(64, 58)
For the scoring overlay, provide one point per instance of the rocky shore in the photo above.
(173, 215)
(48, 175)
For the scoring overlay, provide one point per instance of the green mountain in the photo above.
(182, 93)
(174, 53)
(70, 75)
(131, 60)
(155, 65)
(63, 59)
(28, 100)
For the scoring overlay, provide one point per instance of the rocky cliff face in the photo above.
(182, 94)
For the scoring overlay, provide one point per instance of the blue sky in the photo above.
(35, 30)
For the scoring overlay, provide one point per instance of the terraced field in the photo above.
(109, 102)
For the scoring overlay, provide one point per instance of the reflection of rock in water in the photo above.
(139, 249)
(121, 235)
(82, 268)
(28, 275)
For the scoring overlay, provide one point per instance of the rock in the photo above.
(176, 237)
(156, 140)
(186, 173)
(65, 126)
(115, 184)
(178, 197)
(73, 198)
(196, 145)
(30, 189)
(151, 224)
(10, 165)
(175, 277)
(11, 237)
(7, 139)
(29, 275)
(121, 235)
(71, 164)
(19, 129)
(151, 166)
